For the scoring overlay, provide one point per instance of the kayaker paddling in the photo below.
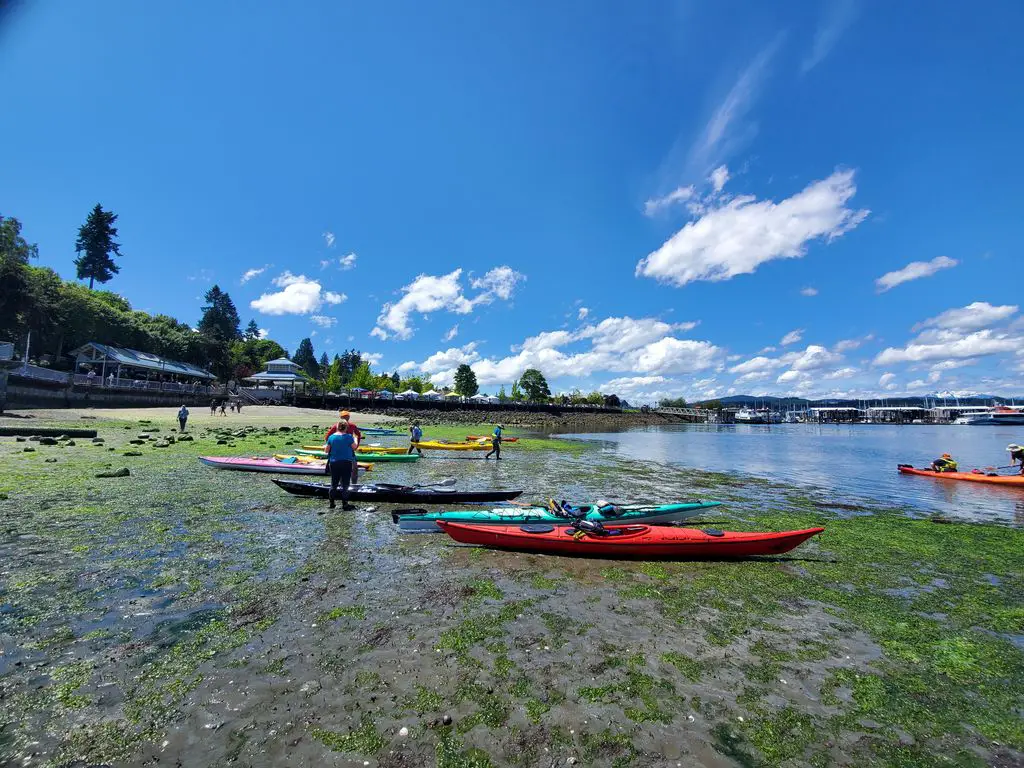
(340, 448)
(1016, 456)
(944, 463)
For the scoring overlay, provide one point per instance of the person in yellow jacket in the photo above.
(944, 463)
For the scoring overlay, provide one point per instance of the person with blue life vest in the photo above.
(415, 435)
(341, 462)
(495, 442)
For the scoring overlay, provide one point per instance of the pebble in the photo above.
(447, 719)
(403, 732)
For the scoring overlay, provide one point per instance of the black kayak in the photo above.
(387, 493)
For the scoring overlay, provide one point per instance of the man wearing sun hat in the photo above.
(351, 429)
(1016, 455)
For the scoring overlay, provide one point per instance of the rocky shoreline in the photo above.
(542, 421)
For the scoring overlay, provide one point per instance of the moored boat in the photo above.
(663, 513)
(388, 493)
(977, 476)
(628, 540)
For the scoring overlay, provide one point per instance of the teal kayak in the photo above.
(663, 513)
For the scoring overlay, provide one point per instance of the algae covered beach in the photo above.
(185, 616)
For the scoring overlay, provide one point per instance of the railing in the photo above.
(37, 372)
(110, 382)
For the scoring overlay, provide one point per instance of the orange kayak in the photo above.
(977, 476)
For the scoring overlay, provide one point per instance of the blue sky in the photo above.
(698, 199)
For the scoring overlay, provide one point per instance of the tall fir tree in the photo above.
(305, 357)
(97, 240)
(465, 381)
(220, 318)
(252, 331)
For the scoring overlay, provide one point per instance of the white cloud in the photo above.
(582, 313)
(973, 317)
(432, 293)
(500, 282)
(887, 381)
(838, 16)
(841, 373)
(348, 261)
(913, 271)
(951, 347)
(324, 321)
(718, 179)
(808, 291)
(300, 295)
(812, 358)
(642, 347)
(759, 364)
(251, 273)
(677, 195)
(848, 345)
(263, 333)
(373, 358)
(452, 332)
(792, 337)
(329, 239)
(736, 237)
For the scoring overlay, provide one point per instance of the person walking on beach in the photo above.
(238, 407)
(213, 407)
(415, 435)
(222, 404)
(346, 419)
(1016, 455)
(495, 443)
(341, 461)
(182, 417)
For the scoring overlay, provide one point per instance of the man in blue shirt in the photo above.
(495, 443)
(341, 456)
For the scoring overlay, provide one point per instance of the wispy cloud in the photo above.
(202, 276)
(582, 313)
(728, 129)
(915, 270)
(792, 337)
(329, 238)
(452, 332)
(839, 15)
(324, 321)
(809, 291)
(251, 273)
(678, 195)
(348, 261)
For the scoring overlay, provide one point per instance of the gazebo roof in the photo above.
(144, 360)
(279, 376)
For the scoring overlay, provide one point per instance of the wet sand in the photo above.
(187, 616)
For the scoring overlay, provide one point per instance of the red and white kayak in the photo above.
(977, 476)
(263, 464)
(628, 540)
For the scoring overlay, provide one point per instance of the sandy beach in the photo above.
(200, 417)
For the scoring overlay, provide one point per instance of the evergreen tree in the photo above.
(15, 253)
(535, 386)
(252, 331)
(95, 244)
(502, 397)
(305, 357)
(396, 381)
(465, 381)
(325, 364)
(220, 318)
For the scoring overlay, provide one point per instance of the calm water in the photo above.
(855, 462)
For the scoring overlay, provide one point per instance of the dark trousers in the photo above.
(341, 473)
(181, 422)
(414, 447)
(495, 449)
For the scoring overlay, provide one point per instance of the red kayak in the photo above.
(628, 540)
(977, 476)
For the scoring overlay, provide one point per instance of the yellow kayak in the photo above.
(361, 449)
(365, 466)
(431, 445)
